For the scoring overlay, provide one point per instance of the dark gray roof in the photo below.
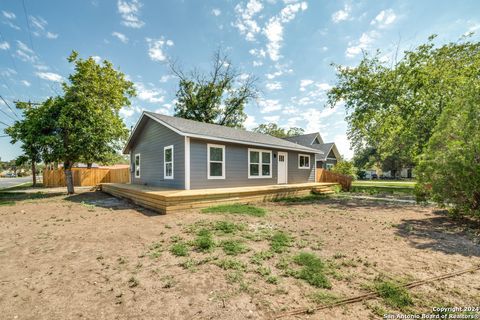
(222, 133)
(325, 148)
(304, 139)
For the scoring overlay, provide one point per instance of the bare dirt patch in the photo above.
(91, 256)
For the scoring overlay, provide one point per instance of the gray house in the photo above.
(177, 153)
(328, 155)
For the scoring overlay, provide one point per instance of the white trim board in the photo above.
(187, 163)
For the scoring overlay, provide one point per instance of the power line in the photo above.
(28, 24)
(7, 125)
(11, 109)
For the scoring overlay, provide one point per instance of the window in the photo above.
(303, 161)
(216, 161)
(329, 166)
(168, 162)
(137, 165)
(259, 163)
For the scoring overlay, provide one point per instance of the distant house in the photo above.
(177, 153)
(328, 156)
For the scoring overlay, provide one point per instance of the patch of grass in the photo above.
(308, 198)
(259, 257)
(233, 247)
(227, 227)
(272, 279)
(204, 241)
(393, 294)
(7, 203)
(179, 249)
(236, 208)
(312, 271)
(230, 264)
(155, 250)
(322, 297)
(280, 241)
(234, 277)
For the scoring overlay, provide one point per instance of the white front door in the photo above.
(282, 167)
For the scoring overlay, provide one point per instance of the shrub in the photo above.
(346, 168)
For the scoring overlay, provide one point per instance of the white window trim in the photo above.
(165, 163)
(303, 155)
(260, 176)
(209, 145)
(135, 165)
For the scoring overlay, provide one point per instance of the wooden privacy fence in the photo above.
(83, 177)
(329, 176)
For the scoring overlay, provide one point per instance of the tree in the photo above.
(449, 170)
(346, 168)
(28, 131)
(394, 109)
(217, 97)
(274, 130)
(84, 124)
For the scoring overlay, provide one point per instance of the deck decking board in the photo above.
(165, 200)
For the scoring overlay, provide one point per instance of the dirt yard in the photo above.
(91, 256)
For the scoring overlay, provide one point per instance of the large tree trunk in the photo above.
(67, 167)
(34, 175)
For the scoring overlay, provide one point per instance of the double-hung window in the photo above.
(136, 165)
(303, 161)
(259, 163)
(216, 161)
(168, 162)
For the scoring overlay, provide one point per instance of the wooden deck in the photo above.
(165, 200)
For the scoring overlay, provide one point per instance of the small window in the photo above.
(329, 166)
(259, 163)
(303, 161)
(168, 162)
(137, 165)
(216, 161)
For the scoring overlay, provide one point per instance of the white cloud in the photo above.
(365, 41)
(274, 28)
(276, 85)
(39, 26)
(130, 11)
(26, 83)
(25, 53)
(216, 12)
(50, 76)
(384, 18)
(152, 95)
(120, 36)
(273, 75)
(9, 15)
(97, 59)
(342, 15)
(4, 45)
(127, 112)
(259, 53)
(250, 122)
(8, 72)
(343, 145)
(269, 105)
(245, 22)
(273, 119)
(156, 48)
(166, 78)
(257, 63)
(304, 83)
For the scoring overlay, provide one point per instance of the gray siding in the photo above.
(149, 142)
(236, 167)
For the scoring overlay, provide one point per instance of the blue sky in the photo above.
(287, 44)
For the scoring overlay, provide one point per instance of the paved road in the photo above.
(11, 182)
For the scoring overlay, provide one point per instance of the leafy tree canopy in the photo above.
(274, 130)
(216, 97)
(394, 109)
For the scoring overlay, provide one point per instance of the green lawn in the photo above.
(383, 183)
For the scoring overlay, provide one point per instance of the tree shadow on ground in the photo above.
(10, 198)
(100, 199)
(442, 233)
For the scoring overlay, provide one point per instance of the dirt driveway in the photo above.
(91, 256)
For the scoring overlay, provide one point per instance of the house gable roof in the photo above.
(309, 138)
(195, 129)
